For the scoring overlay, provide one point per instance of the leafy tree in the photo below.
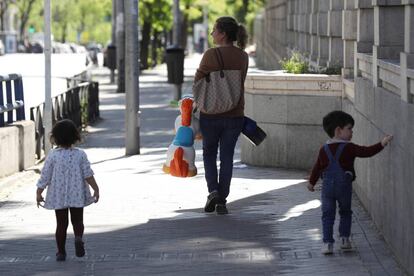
(82, 20)
(93, 20)
(72, 20)
(155, 16)
(243, 10)
(25, 8)
(62, 15)
(4, 5)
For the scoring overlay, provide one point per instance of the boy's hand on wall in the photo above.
(386, 140)
(311, 187)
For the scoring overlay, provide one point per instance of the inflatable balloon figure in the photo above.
(181, 152)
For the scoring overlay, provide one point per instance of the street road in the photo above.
(32, 69)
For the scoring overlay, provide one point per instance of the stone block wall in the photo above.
(270, 35)
(289, 108)
(373, 43)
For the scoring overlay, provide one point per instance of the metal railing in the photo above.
(79, 103)
(14, 98)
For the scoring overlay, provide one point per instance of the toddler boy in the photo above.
(335, 164)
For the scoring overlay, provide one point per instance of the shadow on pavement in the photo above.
(249, 240)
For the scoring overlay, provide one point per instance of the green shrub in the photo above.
(295, 64)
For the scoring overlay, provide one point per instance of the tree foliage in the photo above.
(243, 10)
(155, 17)
(4, 5)
(25, 8)
(72, 20)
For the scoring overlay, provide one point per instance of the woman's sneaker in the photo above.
(212, 199)
(346, 244)
(221, 209)
(327, 248)
(79, 247)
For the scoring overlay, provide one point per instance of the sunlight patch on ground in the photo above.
(126, 180)
(158, 133)
(153, 106)
(260, 186)
(150, 150)
(111, 107)
(314, 234)
(298, 210)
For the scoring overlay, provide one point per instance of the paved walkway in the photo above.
(151, 223)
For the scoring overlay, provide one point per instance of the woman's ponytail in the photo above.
(241, 37)
(234, 31)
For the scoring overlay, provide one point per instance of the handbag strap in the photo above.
(220, 61)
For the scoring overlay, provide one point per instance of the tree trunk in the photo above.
(242, 12)
(3, 7)
(154, 48)
(24, 17)
(146, 34)
(184, 27)
(64, 31)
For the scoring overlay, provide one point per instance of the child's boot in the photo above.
(327, 248)
(79, 247)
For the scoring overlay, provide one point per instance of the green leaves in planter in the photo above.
(295, 64)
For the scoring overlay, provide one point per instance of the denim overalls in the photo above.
(336, 186)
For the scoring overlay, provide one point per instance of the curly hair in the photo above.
(64, 133)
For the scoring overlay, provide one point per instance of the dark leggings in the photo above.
(62, 223)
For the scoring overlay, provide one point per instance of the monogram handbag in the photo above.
(252, 131)
(219, 91)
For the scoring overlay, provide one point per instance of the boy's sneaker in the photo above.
(221, 209)
(60, 257)
(327, 248)
(346, 244)
(212, 199)
(79, 247)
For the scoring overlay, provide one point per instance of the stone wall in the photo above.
(289, 108)
(373, 42)
(270, 35)
(17, 147)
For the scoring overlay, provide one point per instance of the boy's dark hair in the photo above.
(64, 133)
(336, 119)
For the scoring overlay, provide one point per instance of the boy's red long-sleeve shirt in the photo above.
(346, 160)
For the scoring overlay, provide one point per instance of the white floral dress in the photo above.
(64, 176)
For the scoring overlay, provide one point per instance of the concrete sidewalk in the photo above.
(151, 223)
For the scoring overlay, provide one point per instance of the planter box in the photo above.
(290, 108)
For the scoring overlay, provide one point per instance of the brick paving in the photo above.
(149, 223)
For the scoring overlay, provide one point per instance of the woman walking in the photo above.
(221, 131)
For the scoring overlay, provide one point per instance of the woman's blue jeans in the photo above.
(219, 133)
